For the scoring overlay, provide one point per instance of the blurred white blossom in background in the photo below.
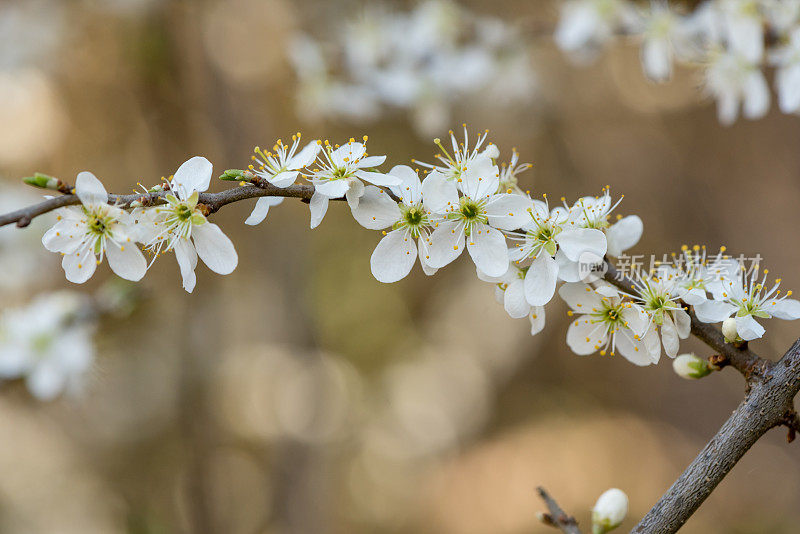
(731, 41)
(421, 61)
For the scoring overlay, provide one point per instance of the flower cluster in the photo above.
(464, 201)
(48, 343)
(731, 40)
(418, 60)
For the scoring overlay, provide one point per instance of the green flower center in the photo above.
(470, 210)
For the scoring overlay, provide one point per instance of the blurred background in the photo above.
(299, 395)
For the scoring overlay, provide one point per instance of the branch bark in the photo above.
(769, 403)
(556, 517)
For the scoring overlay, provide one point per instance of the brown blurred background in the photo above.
(299, 395)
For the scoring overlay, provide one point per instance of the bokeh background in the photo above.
(299, 395)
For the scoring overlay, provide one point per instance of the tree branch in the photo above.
(769, 403)
(556, 517)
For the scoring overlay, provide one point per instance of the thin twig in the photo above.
(556, 517)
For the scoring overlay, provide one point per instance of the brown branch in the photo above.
(769, 403)
(556, 517)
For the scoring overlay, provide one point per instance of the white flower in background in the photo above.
(781, 15)
(94, 229)
(748, 298)
(743, 25)
(659, 297)
(477, 160)
(586, 25)
(476, 217)
(735, 81)
(22, 260)
(280, 168)
(663, 36)
(606, 322)
(509, 182)
(594, 212)
(181, 226)
(396, 253)
(48, 344)
(609, 511)
(340, 173)
(549, 242)
(786, 59)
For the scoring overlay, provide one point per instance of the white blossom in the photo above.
(786, 59)
(181, 226)
(339, 173)
(86, 234)
(280, 167)
(734, 80)
(476, 217)
(607, 322)
(659, 296)
(586, 25)
(748, 298)
(396, 253)
(47, 344)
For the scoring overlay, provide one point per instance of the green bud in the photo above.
(42, 180)
(232, 175)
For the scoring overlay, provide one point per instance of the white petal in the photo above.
(354, 193)
(64, 236)
(748, 328)
(540, 280)
(424, 256)
(633, 350)
(332, 188)
(371, 162)
(193, 175)
(376, 210)
(394, 257)
(514, 300)
(410, 188)
(261, 209)
(585, 337)
(683, 323)
(126, 260)
(347, 153)
(714, 311)
(90, 190)
(580, 297)
(481, 179)
(657, 59)
(487, 247)
(187, 262)
(305, 157)
(756, 96)
(694, 296)
(214, 248)
(318, 207)
(568, 271)
(79, 266)
(669, 336)
(578, 241)
(445, 244)
(508, 212)
(378, 178)
(439, 194)
(788, 309)
(283, 179)
(46, 381)
(624, 234)
(537, 318)
(636, 319)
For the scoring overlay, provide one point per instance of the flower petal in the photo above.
(624, 234)
(193, 175)
(487, 246)
(580, 297)
(261, 209)
(187, 262)
(214, 248)
(318, 207)
(714, 311)
(585, 337)
(578, 241)
(394, 257)
(748, 328)
(540, 280)
(537, 318)
(788, 309)
(514, 300)
(305, 157)
(376, 210)
(410, 188)
(508, 212)
(439, 194)
(445, 244)
(90, 190)
(126, 260)
(80, 265)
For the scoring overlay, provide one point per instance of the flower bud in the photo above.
(729, 330)
(609, 511)
(42, 180)
(232, 175)
(690, 367)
